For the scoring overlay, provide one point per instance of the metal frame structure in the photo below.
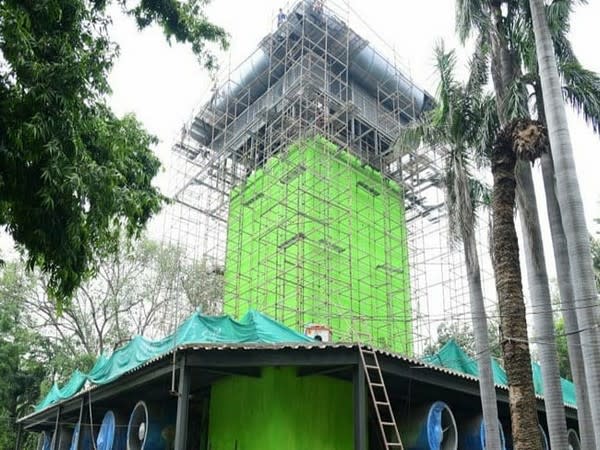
(315, 76)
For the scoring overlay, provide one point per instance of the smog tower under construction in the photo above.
(301, 193)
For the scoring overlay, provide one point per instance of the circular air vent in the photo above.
(482, 434)
(449, 432)
(137, 429)
(573, 438)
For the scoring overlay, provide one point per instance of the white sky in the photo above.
(163, 85)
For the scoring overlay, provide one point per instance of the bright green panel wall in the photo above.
(281, 411)
(316, 237)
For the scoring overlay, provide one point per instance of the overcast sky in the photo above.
(163, 85)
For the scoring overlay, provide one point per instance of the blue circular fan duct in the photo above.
(151, 427)
(545, 444)
(112, 433)
(573, 439)
(46, 440)
(472, 434)
(82, 438)
(429, 427)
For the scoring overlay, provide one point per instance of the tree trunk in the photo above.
(571, 207)
(515, 347)
(487, 388)
(563, 272)
(464, 225)
(505, 68)
(541, 305)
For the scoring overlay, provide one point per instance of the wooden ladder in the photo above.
(381, 401)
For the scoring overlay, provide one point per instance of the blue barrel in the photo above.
(152, 427)
(472, 434)
(429, 427)
(573, 439)
(112, 434)
(82, 438)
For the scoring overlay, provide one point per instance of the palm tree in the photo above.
(498, 28)
(456, 123)
(520, 140)
(571, 206)
(582, 92)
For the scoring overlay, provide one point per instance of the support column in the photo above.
(19, 437)
(183, 400)
(360, 408)
(54, 442)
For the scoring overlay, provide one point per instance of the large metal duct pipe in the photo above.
(151, 427)
(371, 70)
(429, 427)
(368, 68)
(472, 434)
(247, 77)
(573, 439)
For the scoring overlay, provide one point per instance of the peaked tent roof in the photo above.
(452, 356)
(254, 328)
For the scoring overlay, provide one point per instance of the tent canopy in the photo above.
(254, 328)
(453, 357)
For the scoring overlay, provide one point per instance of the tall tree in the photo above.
(145, 289)
(582, 91)
(501, 23)
(23, 358)
(571, 206)
(455, 123)
(72, 174)
(520, 140)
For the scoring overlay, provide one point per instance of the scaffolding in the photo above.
(290, 184)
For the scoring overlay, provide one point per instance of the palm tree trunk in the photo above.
(487, 388)
(515, 346)
(464, 224)
(506, 69)
(563, 271)
(571, 206)
(541, 304)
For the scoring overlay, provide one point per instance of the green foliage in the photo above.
(462, 334)
(596, 260)
(72, 174)
(564, 366)
(22, 358)
(464, 121)
(145, 288)
(182, 20)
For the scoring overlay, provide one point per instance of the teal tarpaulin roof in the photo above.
(452, 356)
(254, 328)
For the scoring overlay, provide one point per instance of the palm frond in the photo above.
(582, 90)
(458, 200)
(489, 124)
(479, 66)
(471, 17)
(515, 100)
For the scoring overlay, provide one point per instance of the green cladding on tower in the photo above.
(314, 236)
